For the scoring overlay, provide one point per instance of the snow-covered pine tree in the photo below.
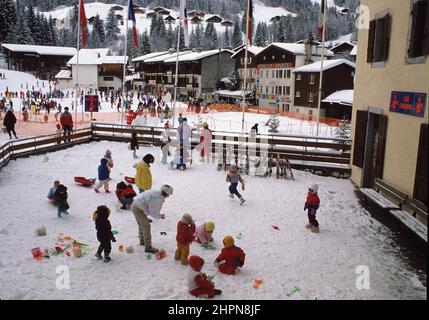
(145, 45)
(53, 32)
(343, 130)
(22, 33)
(226, 38)
(260, 39)
(237, 38)
(234, 81)
(162, 35)
(211, 39)
(182, 38)
(273, 124)
(7, 20)
(171, 37)
(112, 30)
(98, 35)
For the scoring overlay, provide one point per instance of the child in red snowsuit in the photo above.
(230, 258)
(185, 235)
(312, 204)
(198, 283)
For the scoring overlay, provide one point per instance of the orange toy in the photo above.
(257, 283)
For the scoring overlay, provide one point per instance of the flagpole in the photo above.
(321, 67)
(77, 64)
(125, 64)
(177, 71)
(245, 66)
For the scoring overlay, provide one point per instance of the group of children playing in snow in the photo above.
(231, 257)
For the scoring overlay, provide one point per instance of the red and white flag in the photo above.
(184, 18)
(321, 19)
(132, 17)
(83, 23)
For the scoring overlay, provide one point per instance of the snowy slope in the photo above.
(16, 81)
(322, 266)
(264, 14)
(330, 3)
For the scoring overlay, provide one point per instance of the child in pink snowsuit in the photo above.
(204, 233)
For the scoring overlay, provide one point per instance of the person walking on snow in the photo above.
(134, 144)
(103, 176)
(206, 142)
(183, 135)
(143, 174)
(60, 197)
(312, 204)
(146, 204)
(104, 232)
(9, 123)
(66, 121)
(185, 235)
(234, 177)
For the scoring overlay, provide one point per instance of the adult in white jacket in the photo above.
(183, 135)
(146, 204)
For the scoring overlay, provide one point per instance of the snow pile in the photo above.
(342, 97)
(279, 250)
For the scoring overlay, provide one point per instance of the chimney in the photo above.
(307, 48)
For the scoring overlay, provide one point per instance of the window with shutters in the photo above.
(298, 94)
(311, 96)
(298, 76)
(379, 39)
(418, 34)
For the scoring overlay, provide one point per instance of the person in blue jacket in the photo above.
(103, 176)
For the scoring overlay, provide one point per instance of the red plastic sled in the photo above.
(130, 180)
(84, 181)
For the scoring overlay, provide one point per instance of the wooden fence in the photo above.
(304, 152)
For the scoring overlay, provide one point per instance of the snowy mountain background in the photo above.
(54, 22)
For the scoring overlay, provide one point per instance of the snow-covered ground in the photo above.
(322, 266)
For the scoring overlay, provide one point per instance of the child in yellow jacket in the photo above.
(143, 174)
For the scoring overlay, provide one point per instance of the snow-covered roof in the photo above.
(63, 74)
(166, 56)
(96, 56)
(42, 50)
(148, 56)
(232, 94)
(193, 56)
(327, 64)
(354, 51)
(297, 48)
(344, 97)
(341, 43)
(255, 50)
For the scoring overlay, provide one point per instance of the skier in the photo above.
(234, 177)
(230, 258)
(145, 204)
(198, 283)
(184, 237)
(104, 232)
(312, 204)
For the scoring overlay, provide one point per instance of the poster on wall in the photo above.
(91, 103)
(410, 103)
